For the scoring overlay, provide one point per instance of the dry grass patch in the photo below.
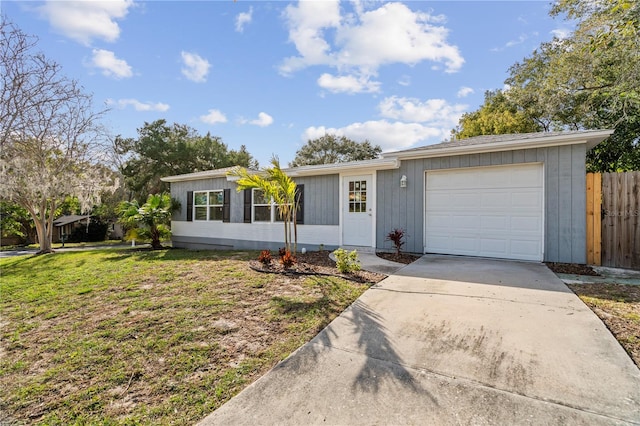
(618, 306)
(127, 337)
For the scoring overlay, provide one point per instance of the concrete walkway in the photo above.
(451, 340)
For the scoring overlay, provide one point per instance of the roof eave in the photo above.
(590, 139)
(327, 169)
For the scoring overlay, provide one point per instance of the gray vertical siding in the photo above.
(179, 192)
(321, 202)
(565, 198)
(320, 198)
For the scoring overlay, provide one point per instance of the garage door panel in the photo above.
(485, 211)
(438, 198)
(494, 247)
(466, 222)
(525, 176)
(526, 224)
(494, 223)
(465, 245)
(439, 221)
(462, 199)
(493, 199)
(441, 243)
(524, 247)
(526, 199)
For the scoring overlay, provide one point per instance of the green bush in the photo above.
(346, 262)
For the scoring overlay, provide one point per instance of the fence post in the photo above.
(594, 218)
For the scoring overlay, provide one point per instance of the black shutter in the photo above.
(247, 206)
(300, 203)
(189, 206)
(226, 206)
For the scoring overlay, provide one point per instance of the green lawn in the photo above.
(118, 336)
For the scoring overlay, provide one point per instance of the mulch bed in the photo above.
(405, 258)
(572, 268)
(314, 263)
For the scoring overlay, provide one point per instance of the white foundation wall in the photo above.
(250, 235)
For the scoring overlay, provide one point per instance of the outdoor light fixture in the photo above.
(403, 181)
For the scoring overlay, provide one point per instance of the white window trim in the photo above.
(272, 206)
(206, 206)
(273, 212)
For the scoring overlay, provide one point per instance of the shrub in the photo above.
(396, 237)
(287, 259)
(265, 257)
(346, 262)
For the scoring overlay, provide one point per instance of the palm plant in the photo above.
(277, 185)
(151, 220)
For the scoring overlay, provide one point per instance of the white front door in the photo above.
(357, 211)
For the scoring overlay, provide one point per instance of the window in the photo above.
(262, 207)
(208, 205)
(357, 196)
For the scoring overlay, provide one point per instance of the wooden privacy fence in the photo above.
(613, 219)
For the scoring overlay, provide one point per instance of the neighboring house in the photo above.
(519, 196)
(64, 226)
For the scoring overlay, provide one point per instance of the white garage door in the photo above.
(485, 211)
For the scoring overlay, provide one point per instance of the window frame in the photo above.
(272, 207)
(208, 205)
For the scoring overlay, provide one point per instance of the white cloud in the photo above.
(406, 122)
(521, 39)
(263, 120)
(110, 65)
(85, 20)
(214, 116)
(242, 19)
(391, 136)
(561, 33)
(435, 112)
(307, 22)
(515, 42)
(364, 41)
(464, 92)
(348, 84)
(139, 106)
(405, 80)
(195, 67)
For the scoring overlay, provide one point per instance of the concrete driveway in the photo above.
(451, 340)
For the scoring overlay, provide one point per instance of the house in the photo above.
(65, 225)
(519, 196)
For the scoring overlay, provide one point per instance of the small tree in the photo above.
(151, 220)
(277, 185)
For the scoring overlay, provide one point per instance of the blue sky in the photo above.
(272, 74)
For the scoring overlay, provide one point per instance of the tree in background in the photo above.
(163, 150)
(15, 222)
(330, 149)
(589, 80)
(149, 221)
(50, 136)
(496, 116)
